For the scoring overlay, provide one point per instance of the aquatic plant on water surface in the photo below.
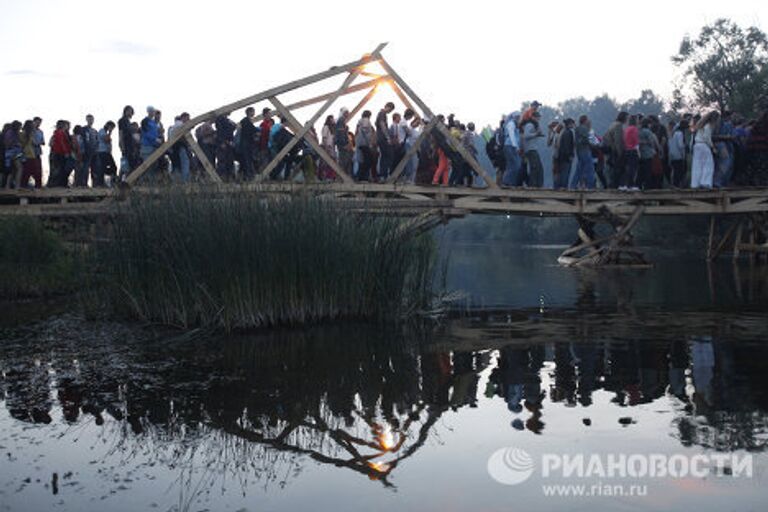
(239, 262)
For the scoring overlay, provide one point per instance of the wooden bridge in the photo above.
(747, 209)
(408, 200)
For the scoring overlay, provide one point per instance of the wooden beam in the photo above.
(411, 151)
(723, 242)
(362, 103)
(318, 99)
(312, 141)
(298, 136)
(391, 72)
(372, 75)
(490, 183)
(737, 240)
(290, 86)
(753, 247)
(627, 227)
(296, 84)
(177, 134)
(207, 165)
(403, 97)
(617, 235)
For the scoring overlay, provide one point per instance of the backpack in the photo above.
(494, 148)
(281, 138)
(341, 139)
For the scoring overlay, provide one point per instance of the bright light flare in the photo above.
(386, 439)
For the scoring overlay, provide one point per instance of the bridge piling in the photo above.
(615, 249)
(756, 246)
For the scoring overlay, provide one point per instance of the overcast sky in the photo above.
(62, 59)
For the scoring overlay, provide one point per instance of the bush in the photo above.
(34, 260)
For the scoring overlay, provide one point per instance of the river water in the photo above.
(611, 373)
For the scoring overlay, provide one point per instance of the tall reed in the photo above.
(238, 261)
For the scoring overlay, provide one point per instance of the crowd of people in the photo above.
(74, 156)
(636, 152)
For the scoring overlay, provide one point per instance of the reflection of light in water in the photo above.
(378, 467)
(386, 439)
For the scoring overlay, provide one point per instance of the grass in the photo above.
(34, 262)
(237, 262)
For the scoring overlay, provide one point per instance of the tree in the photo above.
(574, 107)
(751, 96)
(678, 105)
(602, 111)
(649, 103)
(722, 57)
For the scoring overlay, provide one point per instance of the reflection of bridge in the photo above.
(366, 400)
(746, 209)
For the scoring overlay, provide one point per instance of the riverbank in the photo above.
(34, 261)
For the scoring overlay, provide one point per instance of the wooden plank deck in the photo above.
(415, 199)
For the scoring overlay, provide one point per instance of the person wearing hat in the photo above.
(528, 114)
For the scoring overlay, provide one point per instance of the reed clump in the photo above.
(239, 262)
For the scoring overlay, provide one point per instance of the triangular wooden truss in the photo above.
(354, 70)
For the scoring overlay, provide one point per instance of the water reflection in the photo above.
(511, 276)
(366, 401)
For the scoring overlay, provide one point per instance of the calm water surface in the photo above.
(669, 361)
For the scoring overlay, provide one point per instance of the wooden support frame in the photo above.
(362, 103)
(756, 246)
(290, 86)
(614, 249)
(323, 97)
(207, 165)
(715, 247)
(412, 151)
(456, 145)
(490, 183)
(355, 68)
(299, 135)
(371, 74)
(400, 94)
(312, 141)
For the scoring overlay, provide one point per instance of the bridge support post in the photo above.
(752, 237)
(615, 249)
(715, 246)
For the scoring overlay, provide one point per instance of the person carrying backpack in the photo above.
(341, 140)
(494, 148)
